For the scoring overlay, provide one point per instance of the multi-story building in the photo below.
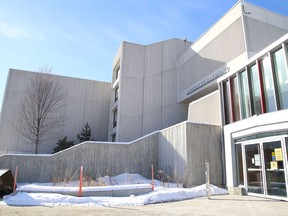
(235, 76)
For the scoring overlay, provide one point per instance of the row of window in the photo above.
(260, 87)
(116, 93)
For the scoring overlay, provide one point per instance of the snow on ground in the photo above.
(160, 194)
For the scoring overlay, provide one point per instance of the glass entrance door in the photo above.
(254, 169)
(266, 167)
(274, 168)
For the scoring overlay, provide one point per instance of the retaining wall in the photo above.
(181, 151)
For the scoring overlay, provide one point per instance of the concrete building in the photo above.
(85, 101)
(144, 89)
(180, 98)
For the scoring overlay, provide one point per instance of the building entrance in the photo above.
(265, 167)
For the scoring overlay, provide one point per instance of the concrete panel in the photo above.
(131, 127)
(226, 20)
(266, 16)
(174, 114)
(169, 87)
(152, 121)
(184, 149)
(202, 148)
(171, 50)
(131, 96)
(153, 60)
(206, 109)
(133, 60)
(172, 153)
(152, 93)
(255, 29)
(76, 89)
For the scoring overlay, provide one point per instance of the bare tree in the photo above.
(39, 113)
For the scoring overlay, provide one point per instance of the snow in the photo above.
(126, 180)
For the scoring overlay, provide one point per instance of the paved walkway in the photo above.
(224, 205)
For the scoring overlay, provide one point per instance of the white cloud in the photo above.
(18, 32)
(12, 31)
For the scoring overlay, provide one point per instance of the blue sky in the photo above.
(79, 38)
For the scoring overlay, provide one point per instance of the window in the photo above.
(281, 78)
(235, 99)
(117, 73)
(255, 87)
(268, 84)
(244, 93)
(113, 137)
(115, 118)
(116, 93)
(227, 102)
(259, 87)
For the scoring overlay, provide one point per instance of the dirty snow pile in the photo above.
(161, 194)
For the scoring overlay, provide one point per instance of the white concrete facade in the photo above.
(147, 91)
(268, 127)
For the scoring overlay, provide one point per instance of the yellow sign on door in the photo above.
(278, 154)
(274, 165)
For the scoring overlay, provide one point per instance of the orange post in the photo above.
(15, 178)
(80, 182)
(152, 168)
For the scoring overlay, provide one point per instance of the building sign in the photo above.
(207, 80)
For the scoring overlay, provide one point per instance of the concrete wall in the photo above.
(180, 151)
(147, 89)
(262, 27)
(172, 153)
(206, 109)
(98, 159)
(184, 149)
(221, 43)
(85, 101)
(234, 38)
(202, 148)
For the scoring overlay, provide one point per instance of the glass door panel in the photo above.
(274, 169)
(254, 169)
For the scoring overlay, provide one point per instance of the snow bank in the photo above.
(160, 194)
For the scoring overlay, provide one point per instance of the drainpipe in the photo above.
(243, 13)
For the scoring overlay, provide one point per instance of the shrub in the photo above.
(63, 144)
